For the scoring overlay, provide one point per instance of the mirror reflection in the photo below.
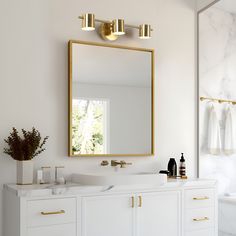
(111, 100)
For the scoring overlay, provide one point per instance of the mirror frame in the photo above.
(70, 44)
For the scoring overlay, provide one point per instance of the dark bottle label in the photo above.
(182, 171)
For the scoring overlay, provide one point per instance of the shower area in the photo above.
(217, 105)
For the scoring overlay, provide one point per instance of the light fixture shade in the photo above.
(88, 22)
(145, 31)
(118, 27)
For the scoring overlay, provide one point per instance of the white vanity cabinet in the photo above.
(107, 215)
(159, 213)
(51, 216)
(200, 212)
(181, 208)
(132, 214)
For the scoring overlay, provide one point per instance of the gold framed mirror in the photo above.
(111, 100)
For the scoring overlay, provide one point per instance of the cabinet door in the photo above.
(53, 230)
(108, 216)
(158, 214)
(204, 232)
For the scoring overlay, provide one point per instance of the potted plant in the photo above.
(23, 150)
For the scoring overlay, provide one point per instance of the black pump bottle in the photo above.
(172, 167)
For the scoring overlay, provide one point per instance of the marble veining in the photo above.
(217, 79)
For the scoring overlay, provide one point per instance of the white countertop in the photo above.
(38, 190)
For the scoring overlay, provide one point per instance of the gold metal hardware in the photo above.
(178, 177)
(218, 100)
(104, 163)
(145, 31)
(118, 27)
(111, 28)
(132, 201)
(88, 22)
(53, 213)
(106, 33)
(140, 201)
(121, 163)
(200, 198)
(105, 45)
(201, 219)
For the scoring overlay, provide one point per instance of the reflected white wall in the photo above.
(129, 115)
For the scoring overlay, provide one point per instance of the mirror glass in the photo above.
(111, 100)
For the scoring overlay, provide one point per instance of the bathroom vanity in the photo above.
(176, 208)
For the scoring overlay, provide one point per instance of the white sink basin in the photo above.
(120, 179)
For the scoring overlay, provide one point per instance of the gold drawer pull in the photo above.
(201, 219)
(53, 213)
(140, 201)
(201, 198)
(132, 201)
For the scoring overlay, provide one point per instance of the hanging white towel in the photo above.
(214, 138)
(230, 132)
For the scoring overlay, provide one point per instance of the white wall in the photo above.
(33, 74)
(201, 4)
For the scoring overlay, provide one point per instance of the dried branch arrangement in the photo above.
(26, 147)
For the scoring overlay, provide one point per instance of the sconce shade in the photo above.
(145, 31)
(88, 22)
(118, 27)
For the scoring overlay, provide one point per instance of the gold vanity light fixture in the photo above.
(118, 27)
(113, 29)
(145, 31)
(88, 22)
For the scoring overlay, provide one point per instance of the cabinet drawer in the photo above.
(204, 232)
(55, 230)
(51, 212)
(196, 219)
(199, 198)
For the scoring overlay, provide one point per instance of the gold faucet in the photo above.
(104, 163)
(121, 163)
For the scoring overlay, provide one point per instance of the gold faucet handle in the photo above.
(104, 163)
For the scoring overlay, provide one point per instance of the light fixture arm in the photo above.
(97, 20)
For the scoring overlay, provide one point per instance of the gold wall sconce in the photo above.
(112, 30)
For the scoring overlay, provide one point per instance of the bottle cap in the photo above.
(182, 158)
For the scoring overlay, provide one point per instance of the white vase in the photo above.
(24, 171)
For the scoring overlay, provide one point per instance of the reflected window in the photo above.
(89, 126)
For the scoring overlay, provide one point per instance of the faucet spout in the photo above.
(122, 164)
